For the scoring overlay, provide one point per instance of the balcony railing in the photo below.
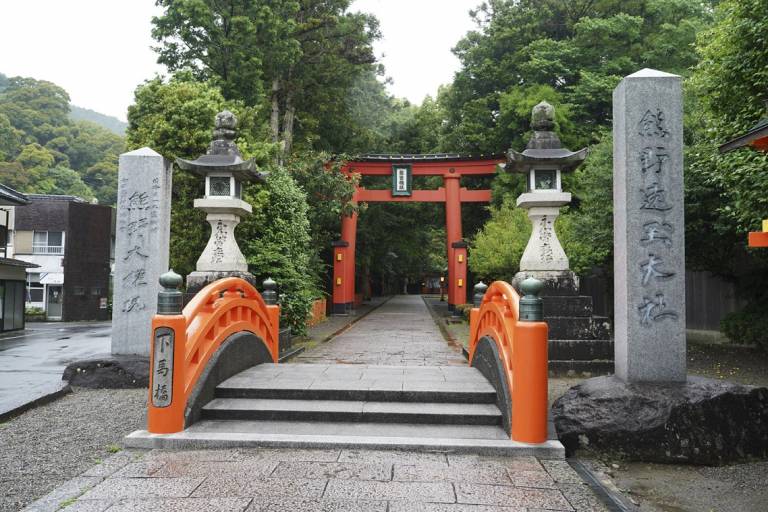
(47, 249)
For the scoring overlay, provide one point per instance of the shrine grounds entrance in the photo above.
(402, 169)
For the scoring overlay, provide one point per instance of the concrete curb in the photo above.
(63, 389)
(611, 498)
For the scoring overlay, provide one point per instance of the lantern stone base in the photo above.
(556, 282)
(222, 254)
(543, 251)
(196, 281)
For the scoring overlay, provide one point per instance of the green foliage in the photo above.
(37, 133)
(579, 50)
(498, 247)
(586, 229)
(748, 327)
(299, 59)
(112, 124)
(282, 248)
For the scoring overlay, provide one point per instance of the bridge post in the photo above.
(167, 351)
(529, 360)
(479, 289)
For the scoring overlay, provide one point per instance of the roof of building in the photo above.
(54, 197)
(759, 131)
(11, 262)
(423, 157)
(11, 197)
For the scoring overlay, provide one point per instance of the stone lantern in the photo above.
(543, 162)
(224, 171)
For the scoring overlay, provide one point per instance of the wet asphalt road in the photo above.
(32, 361)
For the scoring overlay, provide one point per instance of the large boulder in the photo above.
(117, 372)
(703, 421)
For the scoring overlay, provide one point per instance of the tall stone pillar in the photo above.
(648, 223)
(452, 184)
(141, 247)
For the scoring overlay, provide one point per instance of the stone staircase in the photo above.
(443, 408)
(579, 342)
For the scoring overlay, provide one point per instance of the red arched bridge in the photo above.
(227, 333)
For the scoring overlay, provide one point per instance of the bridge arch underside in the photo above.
(240, 351)
(402, 169)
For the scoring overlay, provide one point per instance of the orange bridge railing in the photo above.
(522, 350)
(183, 344)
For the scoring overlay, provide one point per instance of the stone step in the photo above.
(580, 350)
(363, 383)
(575, 328)
(576, 306)
(477, 439)
(352, 411)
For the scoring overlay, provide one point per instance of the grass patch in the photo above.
(113, 448)
(67, 502)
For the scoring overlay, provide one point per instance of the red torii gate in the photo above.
(402, 168)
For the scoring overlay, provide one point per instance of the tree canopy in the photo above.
(54, 154)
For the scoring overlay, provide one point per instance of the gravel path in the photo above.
(46, 446)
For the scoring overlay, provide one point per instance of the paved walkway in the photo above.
(32, 361)
(398, 333)
(268, 480)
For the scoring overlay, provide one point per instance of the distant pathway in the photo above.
(400, 333)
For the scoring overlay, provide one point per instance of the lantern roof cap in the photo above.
(223, 154)
(544, 148)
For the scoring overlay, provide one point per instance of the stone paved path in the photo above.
(400, 333)
(322, 480)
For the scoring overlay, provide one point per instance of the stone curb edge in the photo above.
(64, 389)
(444, 329)
(613, 500)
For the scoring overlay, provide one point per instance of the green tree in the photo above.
(497, 248)
(101, 177)
(10, 139)
(281, 249)
(298, 58)
(35, 107)
(578, 49)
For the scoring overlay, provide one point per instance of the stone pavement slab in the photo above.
(269, 480)
(400, 332)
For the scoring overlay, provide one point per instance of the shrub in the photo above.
(749, 327)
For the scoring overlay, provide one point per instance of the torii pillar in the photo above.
(344, 266)
(456, 247)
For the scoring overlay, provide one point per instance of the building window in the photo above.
(78, 290)
(35, 290)
(48, 242)
(96, 291)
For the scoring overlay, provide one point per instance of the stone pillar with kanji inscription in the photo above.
(648, 223)
(143, 224)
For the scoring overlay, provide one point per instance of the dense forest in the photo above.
(45, 150)
(305, 84)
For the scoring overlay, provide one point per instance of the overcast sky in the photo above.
(99, 50)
